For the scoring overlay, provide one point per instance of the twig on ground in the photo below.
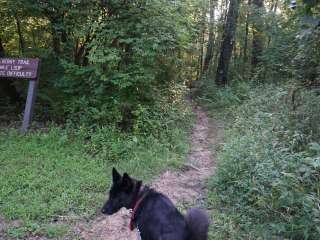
(189, 165)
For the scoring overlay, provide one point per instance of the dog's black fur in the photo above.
(156, 217)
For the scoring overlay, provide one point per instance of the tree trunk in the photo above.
(21, 39)
(245, 48)
(6, 87)
(257, 40)
(200, 59)
(227, 43)
(2, 53)
(274, 8)
(56, 19)
(209, 54)
(81, 52)
(55, 41)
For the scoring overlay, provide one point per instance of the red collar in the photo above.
(137, 204)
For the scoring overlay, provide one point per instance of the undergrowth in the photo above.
(267, 183)
(64, 173)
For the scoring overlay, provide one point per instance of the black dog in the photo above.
(154, 215)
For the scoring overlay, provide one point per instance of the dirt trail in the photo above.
(184, 188)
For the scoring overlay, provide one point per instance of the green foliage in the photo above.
(293, 47)
(307, 67)
(133, 59)
(214, 97)
(48, 174)
(277, 58)
(101, 57)
(267, 180)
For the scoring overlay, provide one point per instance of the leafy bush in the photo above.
(306, 62)
(268, 174)
(131, 58)
(214, 97)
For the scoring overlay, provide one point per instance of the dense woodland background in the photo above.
(114, 79)
(102, 56)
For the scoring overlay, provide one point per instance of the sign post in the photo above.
(23, 69)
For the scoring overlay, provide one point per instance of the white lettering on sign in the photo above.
(15, 68)
(8, 61)
(23, 62)
(19, 68)
(19, 74)
(3, 67)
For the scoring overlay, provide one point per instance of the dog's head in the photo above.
(121, 194)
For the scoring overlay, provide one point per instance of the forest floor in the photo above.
(186, 188)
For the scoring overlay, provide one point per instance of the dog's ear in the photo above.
(116, 177)
(127, 182)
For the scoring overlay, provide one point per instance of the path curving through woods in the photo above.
(186, 187)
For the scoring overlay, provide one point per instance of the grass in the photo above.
(67, 172)
(267, 181)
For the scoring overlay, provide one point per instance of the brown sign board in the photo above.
(23, 68)
(19, 68)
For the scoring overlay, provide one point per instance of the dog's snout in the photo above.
(103, 210)
(107, 211)
(107, 208)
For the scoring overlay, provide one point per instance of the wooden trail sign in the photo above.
(27, 68)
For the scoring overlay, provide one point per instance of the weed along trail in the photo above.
(186, 188)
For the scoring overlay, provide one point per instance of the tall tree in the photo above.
(202, 41)
(245, 48)
(227, 43)
(209, 53)
(257, 40)
(20, 34)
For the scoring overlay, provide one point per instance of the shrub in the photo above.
(268, 176)
(214, 97)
